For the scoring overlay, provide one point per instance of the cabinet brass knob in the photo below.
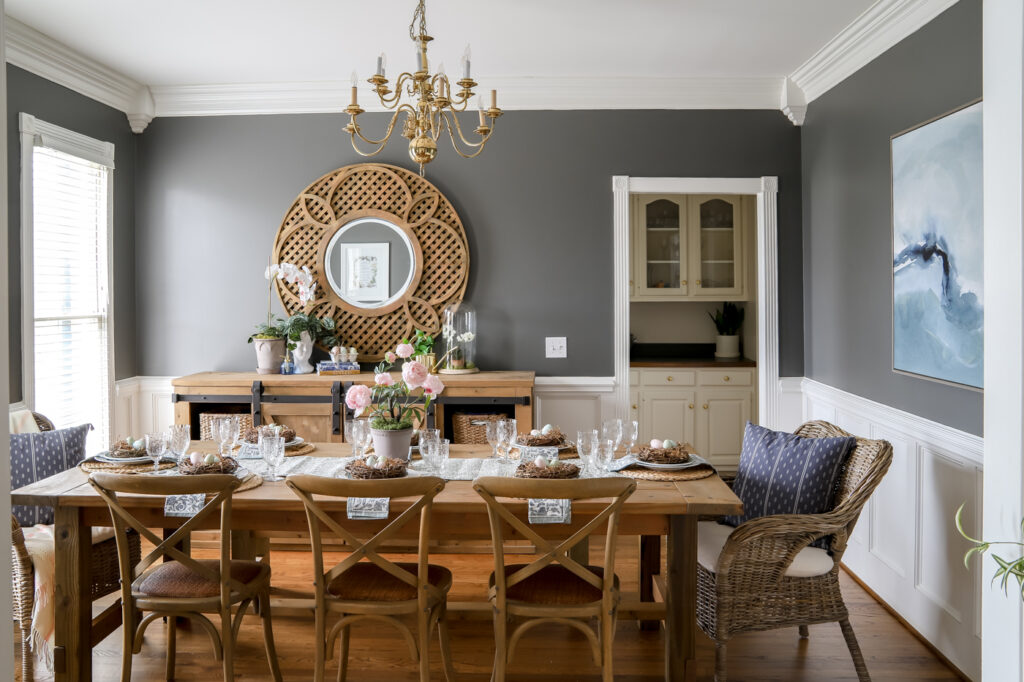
(670, 378)
(634, 407)
(683, 282)
(630, 282)
(698, 282)
(691, 406)
(705, 406)
(725, 378)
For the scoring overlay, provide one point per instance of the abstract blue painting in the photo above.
(937, 267)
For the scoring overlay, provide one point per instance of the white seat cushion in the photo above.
(711, 537)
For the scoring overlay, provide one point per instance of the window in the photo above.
(66, 304)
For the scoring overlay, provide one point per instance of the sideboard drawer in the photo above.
(668, 377)
(725, 377)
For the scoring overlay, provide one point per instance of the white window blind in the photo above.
(71, 301)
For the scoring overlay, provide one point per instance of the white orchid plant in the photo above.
(292, 274)
(454, 351)
(391, 401)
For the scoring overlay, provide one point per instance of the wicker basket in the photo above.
(471, 429)
(244, 422)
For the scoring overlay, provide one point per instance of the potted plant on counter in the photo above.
(423, 350)
(269, 337)
(301, 332)
(391, 402)
(728, 321)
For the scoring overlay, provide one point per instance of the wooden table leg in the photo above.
(650, 564)
(581, 552)
(681, 600)
(73, 627)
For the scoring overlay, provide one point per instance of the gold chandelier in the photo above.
(434, 110)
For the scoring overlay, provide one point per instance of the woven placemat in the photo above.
(113, 468)
(254, 481)
(303, 449)
(693, 474)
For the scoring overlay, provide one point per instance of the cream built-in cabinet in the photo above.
(688, 247)
(705, 407)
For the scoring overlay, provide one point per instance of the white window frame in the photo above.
(35, 131)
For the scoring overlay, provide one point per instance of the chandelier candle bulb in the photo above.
(382, 62)
(494, 99)
(465, 63)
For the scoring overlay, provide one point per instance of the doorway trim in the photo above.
(769, 388)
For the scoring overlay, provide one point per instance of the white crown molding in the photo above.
(515, 94)
(881, 26)
(36, 52)
(793, 103)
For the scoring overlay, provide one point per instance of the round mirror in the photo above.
(369, 262)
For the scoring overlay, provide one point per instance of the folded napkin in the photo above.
(549, 511)
(248, 451)
(368, 508)
(185, 506)
(621, 463)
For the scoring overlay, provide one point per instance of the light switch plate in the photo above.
(555, 347)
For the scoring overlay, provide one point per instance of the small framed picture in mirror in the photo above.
(365, 271)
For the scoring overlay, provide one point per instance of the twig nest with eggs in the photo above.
(373, 466)
(542, 468)
(207, 464)
(665, 451)
(546, 436)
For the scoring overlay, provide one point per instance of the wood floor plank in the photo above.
(547, 653)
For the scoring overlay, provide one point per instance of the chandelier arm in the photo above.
(359, 151)
(479, 146)
(387, 135)
(391, 102)
(458, 129)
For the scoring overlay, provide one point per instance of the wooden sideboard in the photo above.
(315, 405)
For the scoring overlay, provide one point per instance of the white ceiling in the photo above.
(204, 42)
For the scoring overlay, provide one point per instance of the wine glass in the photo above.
(235, 426)
(586, 444)
(428, 439)
(272, 452)
(179, 436)
(611, 430)
(442, 454)
(220, 429)
(507, 433)
(365, 435)
(630, 433)
(493, 438)
(353, 435)
(156, 446)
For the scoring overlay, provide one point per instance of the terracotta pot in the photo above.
(269, 355)
(727, 346)
(394, 444)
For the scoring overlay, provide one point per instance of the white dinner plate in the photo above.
(104, 457)
(695, 460)
(293, 443)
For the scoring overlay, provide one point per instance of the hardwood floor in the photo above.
(546, 654)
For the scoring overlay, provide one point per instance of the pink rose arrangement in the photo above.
(391, 401)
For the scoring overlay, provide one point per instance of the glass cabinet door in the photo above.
(717, 259)
(661, 263)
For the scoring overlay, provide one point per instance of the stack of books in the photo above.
(329, 367)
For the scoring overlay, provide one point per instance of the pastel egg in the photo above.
(548, 428)
(210, 459)
(656, 443)
(196, 459)
(540, 461)
(139, 444)
(534, 432)
(670, 444)
(371, 461)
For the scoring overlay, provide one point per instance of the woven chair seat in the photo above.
(554, 584)
(369, 582)
(173, 579)
(711, 538)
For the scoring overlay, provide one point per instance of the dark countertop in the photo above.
(681, 355)
(705, 362)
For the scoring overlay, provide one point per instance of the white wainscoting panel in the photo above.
(142, 405)
(573, 403)
(905, 546)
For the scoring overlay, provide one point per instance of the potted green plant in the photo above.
(302, 331)
(269, 337)
(423, 350)
(1007, 567)
(393, 407)
(728, 320)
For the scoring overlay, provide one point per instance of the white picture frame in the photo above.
(365, 271)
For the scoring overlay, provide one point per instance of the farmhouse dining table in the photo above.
(656, 509)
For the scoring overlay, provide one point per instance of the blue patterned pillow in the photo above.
(782, 473)
(35, 456)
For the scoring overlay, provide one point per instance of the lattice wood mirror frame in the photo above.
(401, 197)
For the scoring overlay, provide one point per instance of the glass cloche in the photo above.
(458, 338)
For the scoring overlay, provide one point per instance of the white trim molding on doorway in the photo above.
(770, 391)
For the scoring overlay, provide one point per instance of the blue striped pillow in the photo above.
(35, 456)
(782, 473)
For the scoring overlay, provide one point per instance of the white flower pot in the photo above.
(269, 355)
(727, 346)
(300, 356)
(393, 444)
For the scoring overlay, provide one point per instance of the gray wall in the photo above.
(847, 238)
(53, 103)
(537, 206)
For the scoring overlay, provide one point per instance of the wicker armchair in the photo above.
(749, 591)
(104, 572)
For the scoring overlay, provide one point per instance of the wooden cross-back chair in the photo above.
(555, 587)
(183, 586)
(751, 588)
(367, 586)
